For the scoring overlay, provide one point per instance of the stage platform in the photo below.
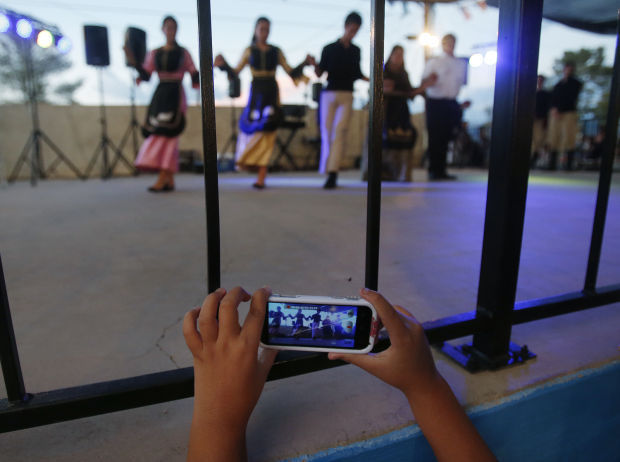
(100, 274)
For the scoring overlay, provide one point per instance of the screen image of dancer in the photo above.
(316, 325)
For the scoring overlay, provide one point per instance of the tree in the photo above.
(45, 63)
(596, 78)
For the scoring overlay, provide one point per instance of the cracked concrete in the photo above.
(163, 336)
(100, 274)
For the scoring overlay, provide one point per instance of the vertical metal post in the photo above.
(11, 369)
(607, 162)
(36, 166)
(106, 171)
(209, 144)
(373, 208)
(513, 116)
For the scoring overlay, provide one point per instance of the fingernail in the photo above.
(366, 290)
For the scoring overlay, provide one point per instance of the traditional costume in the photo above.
(399, 135)
(261, 116)
(165, 118)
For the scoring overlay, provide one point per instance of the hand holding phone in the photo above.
(229, 372)
(407, 364)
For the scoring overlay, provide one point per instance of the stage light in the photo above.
(64, 45)
(476, 60)
(429, 40)
(45, 39)
(24, 28)
(5, 24)
(490, 57)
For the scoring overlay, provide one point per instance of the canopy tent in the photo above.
(598, 16)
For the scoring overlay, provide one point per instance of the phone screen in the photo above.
(315, 325)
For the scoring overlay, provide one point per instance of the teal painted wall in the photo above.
(574, 418)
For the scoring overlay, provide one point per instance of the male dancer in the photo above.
(444, 76)
(564, 120)
(341, 61)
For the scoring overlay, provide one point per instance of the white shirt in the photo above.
(451, 73)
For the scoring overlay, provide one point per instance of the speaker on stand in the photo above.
(135, 43)
(98, 55)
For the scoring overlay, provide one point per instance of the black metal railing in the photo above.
(490, 324)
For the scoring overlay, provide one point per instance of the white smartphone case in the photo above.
(323, 300)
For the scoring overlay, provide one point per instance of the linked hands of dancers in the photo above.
(219, 61)
(229, 371)
(310, 60)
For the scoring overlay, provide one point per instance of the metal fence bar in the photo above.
(513, 116)
(373, 207)
(105, 397)
(209, 144)
(11, 369)
(607, 163)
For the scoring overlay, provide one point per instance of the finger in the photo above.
(405, 312)
(388, 315)
(266, 357)
(190, 331)
(229, 314)
(367, 362)
(207, 320)
(253, 325)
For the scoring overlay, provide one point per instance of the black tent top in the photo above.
(599, 16)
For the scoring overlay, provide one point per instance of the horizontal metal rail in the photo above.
(116, 395)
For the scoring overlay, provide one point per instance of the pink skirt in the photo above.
(159, 153)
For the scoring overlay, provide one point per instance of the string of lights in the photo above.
(31, 29)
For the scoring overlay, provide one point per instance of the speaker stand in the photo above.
(105, 144)
(232, 139)
(133, 129)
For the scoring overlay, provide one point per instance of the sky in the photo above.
(298, 27)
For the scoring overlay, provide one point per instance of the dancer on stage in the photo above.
(399, 134)
(445, 75)
(262, 114)
(341, 61)
(165, 119)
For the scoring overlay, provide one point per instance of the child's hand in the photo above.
(229, 374)
(407, 364)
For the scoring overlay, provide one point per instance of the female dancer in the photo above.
(260, 118)
(399, 135)
(165, 119)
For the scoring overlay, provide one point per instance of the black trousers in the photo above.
(443, 116)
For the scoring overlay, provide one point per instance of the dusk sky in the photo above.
(298, 27)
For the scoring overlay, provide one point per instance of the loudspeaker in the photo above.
(317, 87)
(135, 40)
(96, 45)
(234, 87)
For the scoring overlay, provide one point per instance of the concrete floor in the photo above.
(100, 274)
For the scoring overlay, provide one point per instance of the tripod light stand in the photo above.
(105, 144)
(133, 128)
(31, 153)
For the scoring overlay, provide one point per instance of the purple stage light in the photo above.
(5, 23)
(64, 45)
(24, 28)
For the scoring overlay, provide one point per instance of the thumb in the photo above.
(367, 362)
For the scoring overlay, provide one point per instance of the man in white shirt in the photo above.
(446, 75)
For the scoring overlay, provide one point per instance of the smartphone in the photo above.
(316, 323)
